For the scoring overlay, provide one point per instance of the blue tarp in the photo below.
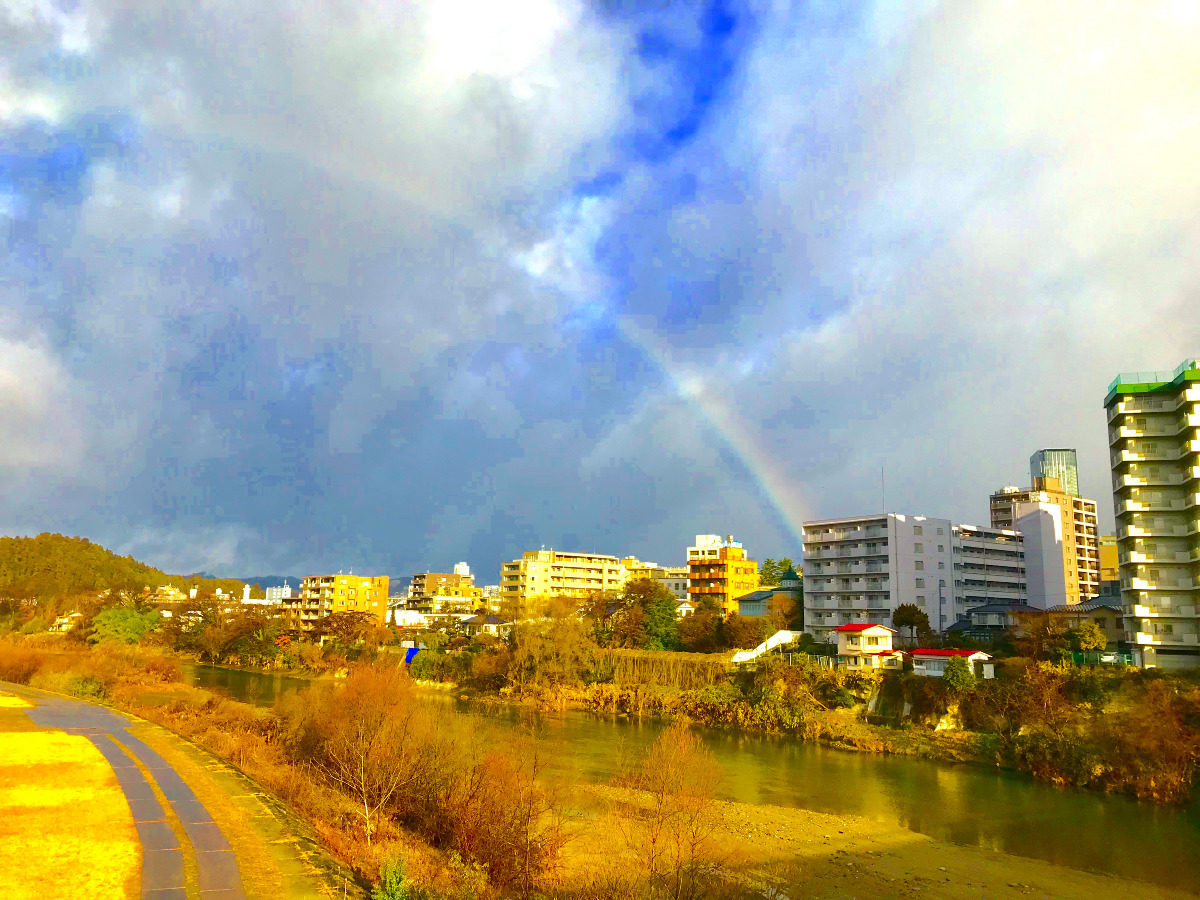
(409, 653)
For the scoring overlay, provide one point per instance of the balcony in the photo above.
(1164, 612)
(1168, 640)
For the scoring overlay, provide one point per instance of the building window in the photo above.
(918, 548)
(917, 529)
(920, 582)
(941, 548)
(920, 600)
(941, 565)
(919, 566)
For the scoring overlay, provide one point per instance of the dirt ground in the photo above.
(788, 854)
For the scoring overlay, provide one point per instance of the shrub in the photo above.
(958, 675)
(393, 884)
(122, 625)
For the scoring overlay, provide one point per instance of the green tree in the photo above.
(121, 625)
(768, 573)
(958, 675)
(1087, 637)
(906, 615)
(658, 624)
(661, 624)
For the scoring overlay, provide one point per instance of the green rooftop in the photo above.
(1146, 382)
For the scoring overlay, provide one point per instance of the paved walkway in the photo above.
(162, 851)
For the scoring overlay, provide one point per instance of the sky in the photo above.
(383, 286)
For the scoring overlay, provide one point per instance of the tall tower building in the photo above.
(1062, 540)
(1060, 464)
(1154, 445)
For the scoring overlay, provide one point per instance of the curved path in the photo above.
(162, 852)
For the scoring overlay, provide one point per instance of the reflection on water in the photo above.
(965, 804)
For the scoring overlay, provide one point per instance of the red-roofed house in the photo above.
(932, 662)
(863, 645)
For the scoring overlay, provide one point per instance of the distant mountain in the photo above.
(56, 565)
(266, 581)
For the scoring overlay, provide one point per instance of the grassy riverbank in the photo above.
(576, 841)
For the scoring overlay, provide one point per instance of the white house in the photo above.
(862, 645)
(407, 618)
(487, 624)
(932, 662)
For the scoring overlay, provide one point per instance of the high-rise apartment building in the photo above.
(323, 595)
(719, 570)
(548, 573)
(1061, 464)
(1154, 447)
(860, 569)
(1062, 540)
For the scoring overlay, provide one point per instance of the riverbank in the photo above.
(799, 853)
(765, 834)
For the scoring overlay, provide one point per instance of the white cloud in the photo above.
(42, 427)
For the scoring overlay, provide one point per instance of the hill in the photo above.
(52, 565)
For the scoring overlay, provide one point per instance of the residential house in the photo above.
(932, 662)
(862, 645)
(1107, 615)
(487, 623)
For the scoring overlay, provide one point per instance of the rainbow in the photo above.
(740, 437)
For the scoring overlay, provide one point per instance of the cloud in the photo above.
(41, 426)
(343, 286)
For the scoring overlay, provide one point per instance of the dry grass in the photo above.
(65, 828)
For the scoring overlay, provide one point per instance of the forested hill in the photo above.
(52, 565)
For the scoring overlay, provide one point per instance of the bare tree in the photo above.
(677, 839)
(366, 732)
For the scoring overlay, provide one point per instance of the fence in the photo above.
(1102, 658)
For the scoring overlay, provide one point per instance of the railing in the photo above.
(1102, 658)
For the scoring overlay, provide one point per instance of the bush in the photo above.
(958, 675)
(392, 882)
(122, 625)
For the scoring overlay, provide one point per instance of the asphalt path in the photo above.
(162, 851)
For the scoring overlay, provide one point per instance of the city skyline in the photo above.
(324, 291)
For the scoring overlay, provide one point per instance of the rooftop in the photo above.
(948, 651)
(1143, 382)
(862, 626)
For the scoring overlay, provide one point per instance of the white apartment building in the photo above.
(278, 594)
(1154, 445)
(859, 569)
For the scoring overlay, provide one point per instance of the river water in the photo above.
(965, 804)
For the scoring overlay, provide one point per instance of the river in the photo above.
(965, 804)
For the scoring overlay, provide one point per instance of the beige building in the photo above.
(673, 578)
(323, 595)
(444, 583)
(1154, 447)
(549, 573)
(1062, 540)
